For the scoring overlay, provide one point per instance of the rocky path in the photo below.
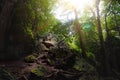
(22, 69)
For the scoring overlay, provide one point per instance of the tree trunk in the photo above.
(116, 23)
(106, 26)
(104, 60)
(80, 34)
(5, 21)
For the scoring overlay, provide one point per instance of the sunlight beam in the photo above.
(79, 5)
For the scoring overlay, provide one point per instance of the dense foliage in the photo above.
(87, 45)
(29, 18)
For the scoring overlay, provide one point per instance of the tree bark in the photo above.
(5, 20)
(80, 34)
(105, 65)
(106, 26)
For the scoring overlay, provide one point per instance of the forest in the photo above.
(59, 39)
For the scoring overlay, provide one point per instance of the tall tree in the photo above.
(79, 31)
(104, 57)
(6, 14)
(77, 26)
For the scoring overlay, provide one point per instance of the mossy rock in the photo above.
(30, 58)
(40, 71)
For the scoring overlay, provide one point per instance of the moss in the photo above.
(39, 71)
(30, 58)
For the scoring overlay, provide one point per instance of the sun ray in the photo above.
(79, 5)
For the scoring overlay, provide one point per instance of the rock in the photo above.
(40, 71)
(49, 44)
(44, 48)
(30, 59)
